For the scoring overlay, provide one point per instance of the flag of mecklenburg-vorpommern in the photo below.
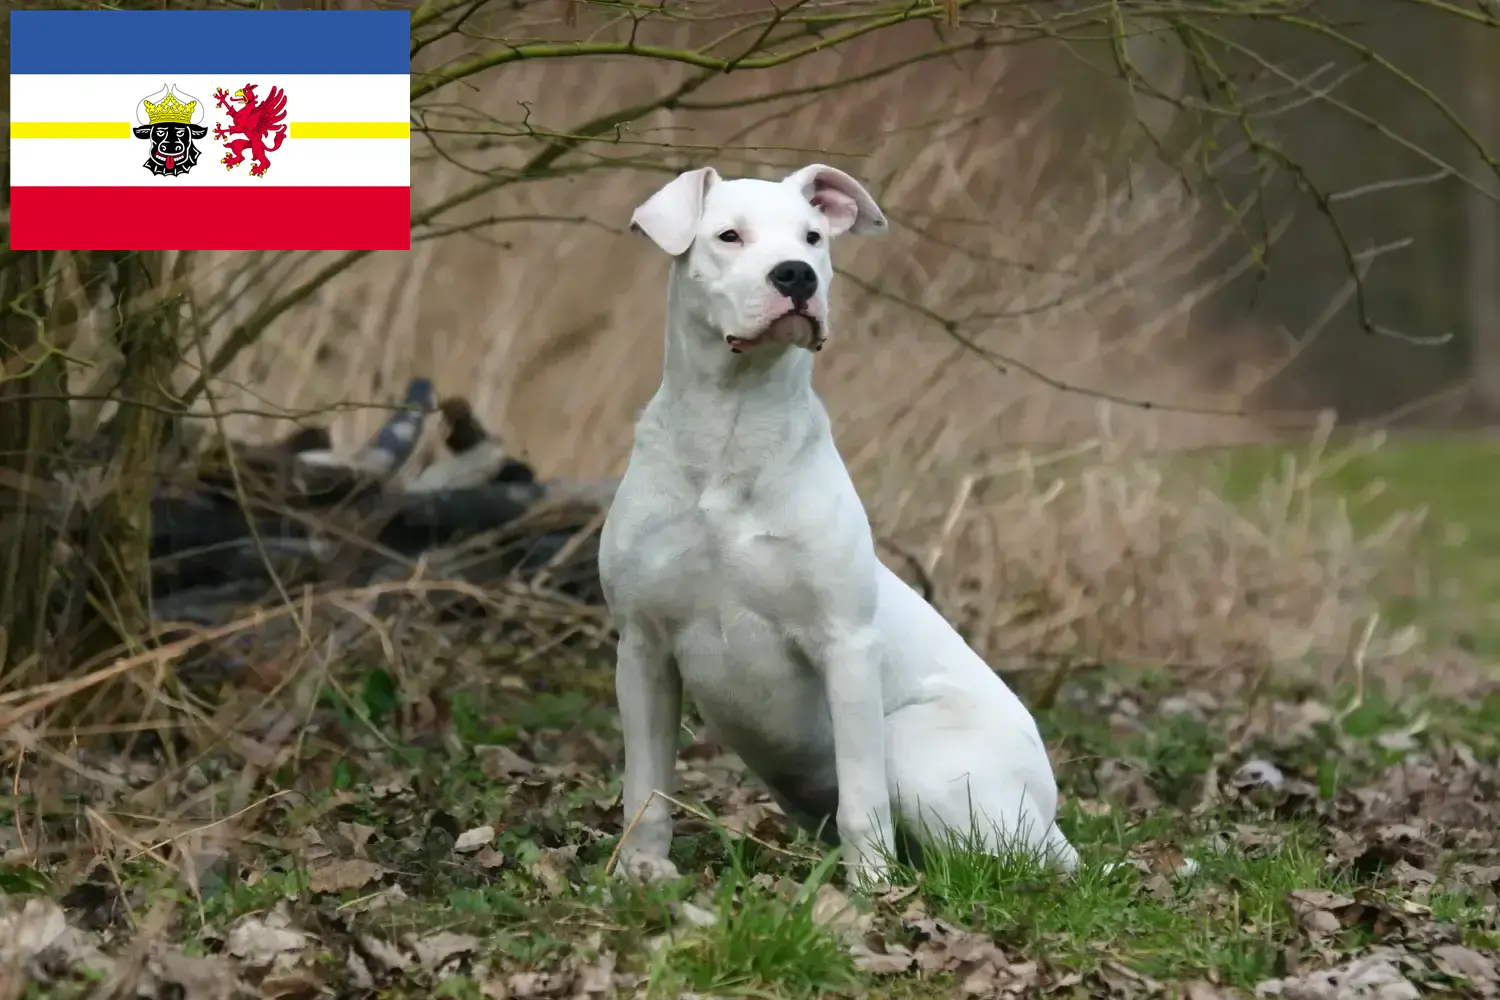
(210, 130)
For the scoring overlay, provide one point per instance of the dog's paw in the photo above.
(646, 868)
(869, 876)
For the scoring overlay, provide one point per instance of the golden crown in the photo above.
(170, 109)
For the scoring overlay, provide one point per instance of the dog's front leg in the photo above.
(851, 672)
(649, 691)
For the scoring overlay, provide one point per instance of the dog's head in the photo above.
(754, 252)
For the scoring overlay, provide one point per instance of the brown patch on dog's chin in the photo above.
(794, 329)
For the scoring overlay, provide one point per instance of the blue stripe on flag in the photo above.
(232, 42)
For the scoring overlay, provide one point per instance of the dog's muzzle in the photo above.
(796, 329)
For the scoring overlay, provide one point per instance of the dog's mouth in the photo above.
(797, 328)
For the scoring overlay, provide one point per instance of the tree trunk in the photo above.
(28, 432)
(119, 542)
(1482, 223)
(33, 434)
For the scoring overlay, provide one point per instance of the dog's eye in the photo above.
(814, 238)
(729, 236)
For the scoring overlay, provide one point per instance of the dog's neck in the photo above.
(728, 408)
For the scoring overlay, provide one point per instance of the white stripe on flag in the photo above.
(120, 163)
(313, 97)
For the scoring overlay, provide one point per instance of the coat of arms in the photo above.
(255, 120)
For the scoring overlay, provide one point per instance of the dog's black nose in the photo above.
(795, 279)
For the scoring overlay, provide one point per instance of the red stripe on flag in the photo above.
(210, 218)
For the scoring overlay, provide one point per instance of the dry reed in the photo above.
(1008, 235)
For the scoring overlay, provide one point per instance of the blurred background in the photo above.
(1112, 239)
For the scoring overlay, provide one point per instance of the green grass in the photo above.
(1454, 477)
(1457, 477)
(1183, 929)
(761, 939)
(744, 920)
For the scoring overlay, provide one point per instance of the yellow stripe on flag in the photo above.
(351, 130)
(299, 130)
(70, 130)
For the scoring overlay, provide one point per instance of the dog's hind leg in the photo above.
(950, 785)
(812, 809)
(816, 816)
(1061, 855)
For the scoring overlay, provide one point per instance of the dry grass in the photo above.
(1046, 517)
(1119, 559)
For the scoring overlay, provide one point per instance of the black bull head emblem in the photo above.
(172, 149)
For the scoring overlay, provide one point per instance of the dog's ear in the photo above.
(842, 199)
(670, 216)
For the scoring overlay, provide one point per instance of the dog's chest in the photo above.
(717, 551)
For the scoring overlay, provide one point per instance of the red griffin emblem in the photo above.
(255, 121)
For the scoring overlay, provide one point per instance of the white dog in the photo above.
(738, 562)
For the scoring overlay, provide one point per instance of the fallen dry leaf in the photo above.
(1252, 839)
(1125, 981)
(358, 835)
(473, 840)
(382, 899)
(698, 916)
(948, 948)
(435, 951)
(1318, 910)
(498, 762)
(36, 929)
(834, 910)
(1477, 876)
(1457, 962)
(341, 874)
(359, 971)
(879, 957)
(992, 979)
(1375, 976)
(310, 847)
(1409, 876)
(1196, 704)
(547, 868)
(385, 955)
(595, 979)
(169, 973)
(526, 984)
(1322, 913)
(395, 784)
(1200, 989)
(292, 984)
(748, 820)
(1158, 887)
(259, 942)
(24, 932)
(1126, 786)
(1155, 858)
